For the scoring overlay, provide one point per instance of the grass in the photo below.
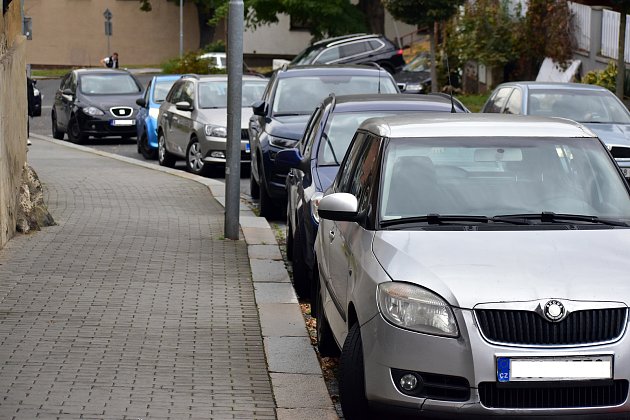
(474, 102)
(58, 72)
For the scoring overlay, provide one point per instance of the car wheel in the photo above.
(194, 158)
(254, 188)
(56, 133)
(289, 241)
(164, 157)
(354, 403)
(300, 273)
(74, 132)
(138, 147)
(325, 341)
(143, 145)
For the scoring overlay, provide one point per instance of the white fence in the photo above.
(581, 25)
(610, 35)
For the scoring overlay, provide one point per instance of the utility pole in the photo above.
(181, 28)
(236, 25)
(108, 27)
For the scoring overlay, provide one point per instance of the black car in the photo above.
(96, 102)
(353, 49)
(415, 76)
(316, 158)
(280, 117)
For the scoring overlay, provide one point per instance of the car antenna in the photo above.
(450, 86)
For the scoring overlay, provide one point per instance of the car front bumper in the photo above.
(107, 126)
(214, 150)
(470, 358)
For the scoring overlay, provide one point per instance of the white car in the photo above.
(476, 265)
(216, 59)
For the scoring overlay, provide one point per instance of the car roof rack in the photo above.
(372, 64)
(355, 37)
(284, 67)
(192, 75)
(338, 38)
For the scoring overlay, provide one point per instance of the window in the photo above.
(175, 93)
(345, 178)
(515, 103)
(364, 172)
(188, 93)
(331, 54)
(354, 48)
(498, 100)
(311, 133)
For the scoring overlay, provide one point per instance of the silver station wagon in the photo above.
(476, 265)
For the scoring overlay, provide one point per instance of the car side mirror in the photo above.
(342, 207)
(141, 102)
(184, 106)
(402, 86)
(291, 158)
(260, 108)
(68, 92)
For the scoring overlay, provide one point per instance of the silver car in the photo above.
(192, 121)
(476, 265)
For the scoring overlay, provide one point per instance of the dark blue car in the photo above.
(146, 119)
(315, 160)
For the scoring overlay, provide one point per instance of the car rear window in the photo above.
(108, 84)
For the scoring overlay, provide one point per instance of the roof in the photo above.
(474, 125)
(95, 70)
(329, 70)
(553, 85)
(220, 77)
(339, 38)
(402, 102)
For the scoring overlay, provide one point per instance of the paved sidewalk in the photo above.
(134, 306)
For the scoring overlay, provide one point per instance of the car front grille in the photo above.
(620, 152)
(549, 395)
(121, 111)
(530, 328)
(244, 134)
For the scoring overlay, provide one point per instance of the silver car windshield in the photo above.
(499, 176)
(301, 95)
(214, 94)
(585, 106)
(108, 84)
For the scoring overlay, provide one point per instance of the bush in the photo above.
(190, 63)
(216, 46)
(606, 78)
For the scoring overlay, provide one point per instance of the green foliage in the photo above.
(190, 63)
(422, 12)
(606, 78)
(216, 46)
(474, 102)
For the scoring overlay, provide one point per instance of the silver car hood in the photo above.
(468, 268)
(612, 134)
(218, 116)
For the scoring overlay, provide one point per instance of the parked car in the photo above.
(192, 121)
(415, 76)
(353, 49)
(147, 116)
(475, 265)
(96, 102)
(35, 98)
(217, 59)
(594, 106)
(281, 115)
(315, 160)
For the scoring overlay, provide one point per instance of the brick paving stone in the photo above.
(133, 306)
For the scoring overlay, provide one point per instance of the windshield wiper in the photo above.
(439, 219)
(551, 217)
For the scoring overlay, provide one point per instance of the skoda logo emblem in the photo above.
(554, 310)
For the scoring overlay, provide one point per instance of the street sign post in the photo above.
(108, 26)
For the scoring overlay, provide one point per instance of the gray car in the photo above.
(192, 121)
(476, 265)
(594, 106)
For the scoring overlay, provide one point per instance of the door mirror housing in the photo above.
(68, 92)
(184, 106)
(141, 102)
(342, 207)
(402, 86)
(260, 108)
(291, 158)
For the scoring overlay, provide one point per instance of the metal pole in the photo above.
(181, 28)
(235, 82)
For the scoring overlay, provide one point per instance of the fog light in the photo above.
(408, 382)
(219, 155)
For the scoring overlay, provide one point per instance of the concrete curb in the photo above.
(296, 377)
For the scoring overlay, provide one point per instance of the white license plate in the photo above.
(520, 369)
(626, 172)
(123, 122)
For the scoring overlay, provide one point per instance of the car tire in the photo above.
(254, 188)
(194, 158)
(138, 147)
(289, 241)
(74, 132)
(164, 156)
(354, 403)
(300, 273)
(143, 145)
(267, 206)
(326, 344)
(56, 133)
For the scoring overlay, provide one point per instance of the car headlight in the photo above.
(215, 130)
(414, 87)
(154, 112)
(315, 199)
(283, 143)
(92, 111)
(415, 308)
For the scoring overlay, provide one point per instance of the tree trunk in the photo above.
(434, 80)
(374, 13)
(621, 62)
(206, 32)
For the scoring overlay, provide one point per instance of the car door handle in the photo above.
(331, 235)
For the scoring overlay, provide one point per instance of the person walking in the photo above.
(111, 61)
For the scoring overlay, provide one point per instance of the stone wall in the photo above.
(13, 117)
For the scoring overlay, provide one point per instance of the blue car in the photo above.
(146, 119)
(315, 161)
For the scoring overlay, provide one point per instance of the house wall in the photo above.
(72, 32)
(12, 117)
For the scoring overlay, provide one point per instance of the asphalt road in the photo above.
(42, 126)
